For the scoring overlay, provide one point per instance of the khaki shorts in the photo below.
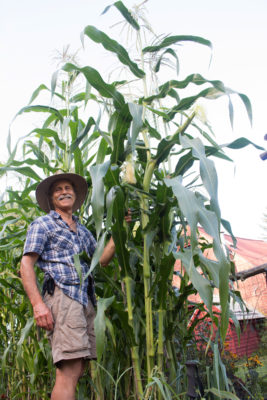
(73, 335)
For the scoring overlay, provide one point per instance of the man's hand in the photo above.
(128, 216)
(43, 316)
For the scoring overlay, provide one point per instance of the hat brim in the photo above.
(79, 183)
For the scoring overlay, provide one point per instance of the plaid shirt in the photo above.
(50, 237)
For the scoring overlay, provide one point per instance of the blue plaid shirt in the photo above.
(50, 237)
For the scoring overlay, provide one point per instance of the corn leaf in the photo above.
(170, 40)
(171, 52)
(100, 325)
(77, 265)
(136, 112)
(95, 79)
(119, 233)
(50, 133)
(125, 13)
(241, 143)
(43, 109)
(97, 173)
(26, 171)
(113, 46)
(122, 123)
(222, 394)
(82, 134)
(39, 89)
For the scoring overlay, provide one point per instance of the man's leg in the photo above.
(67, 377)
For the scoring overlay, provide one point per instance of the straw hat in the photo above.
(78, 182)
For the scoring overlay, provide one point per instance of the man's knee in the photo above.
(70, 369)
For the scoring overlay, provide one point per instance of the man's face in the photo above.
(63, 196)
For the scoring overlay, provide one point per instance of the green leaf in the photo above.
(165, 146)
(97, 253)
(45, 109)
(247, 104)
(54, 82)
(50, 133)
(95, 79)
(4, 362)
(122, 124)
(184, 164)
(136, 112)
(41, 156)
(37, 91)
(222, 394)
(5, 222)
(167, 143)
(37, 163)
(102, 151)
(26, 331)
(170, 40)
(207, 170)
(125, 13)
(152, 131)
(201, 284)
(231, 112)
(26, 171)
(100, 325)
(195, 212)
(97, 173)
(240, 143)
(227, 227)
(119, 233)
(196, 79)
(212, 267)
(83, 134)
(78, 267)
(187, 102)
(111, 196)
(169, 51)
(216, 365)
(162, 279)
(113, 46)
(83, 97)
(112, 177)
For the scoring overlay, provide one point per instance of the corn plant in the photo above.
(146, 151)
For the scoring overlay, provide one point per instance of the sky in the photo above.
(31, 32)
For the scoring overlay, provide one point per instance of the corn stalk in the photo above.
(147, 317)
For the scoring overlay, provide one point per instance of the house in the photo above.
(250, 258)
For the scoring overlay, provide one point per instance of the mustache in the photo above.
(65, 196)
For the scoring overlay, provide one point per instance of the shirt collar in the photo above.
(56, 215)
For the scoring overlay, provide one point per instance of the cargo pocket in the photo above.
(75, 337)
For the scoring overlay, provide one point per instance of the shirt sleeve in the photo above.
(35, 239)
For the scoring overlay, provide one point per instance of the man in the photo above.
(65, 311)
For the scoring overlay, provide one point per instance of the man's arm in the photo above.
(41, 312)
(108, 253)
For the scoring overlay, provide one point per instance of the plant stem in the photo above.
(134, 349)
(144, 133)
(146, 269)
(161, 315)
(95, 373)
(171, 357)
